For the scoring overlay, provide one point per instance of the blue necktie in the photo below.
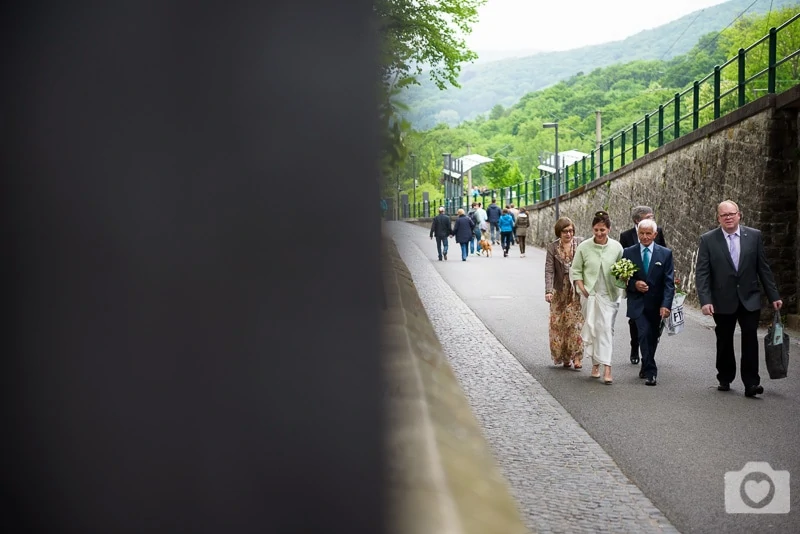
(646, 260)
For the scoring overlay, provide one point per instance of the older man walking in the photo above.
(628, 238)
(730, 263)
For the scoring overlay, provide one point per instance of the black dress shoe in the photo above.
(641, 374)
(752, 391)
(724, 386)
(650, 381)
(635, 356)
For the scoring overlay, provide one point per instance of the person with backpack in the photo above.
(523, 222)
(480, 225)
(493, 214)
(506, 224)
(471, 215)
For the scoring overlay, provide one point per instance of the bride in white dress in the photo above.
(591, 274)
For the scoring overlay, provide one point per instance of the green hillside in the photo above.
(514, 135)
(504, 82)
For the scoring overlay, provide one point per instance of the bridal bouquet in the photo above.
(623, 269)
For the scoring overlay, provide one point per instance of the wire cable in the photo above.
(714, 40)
(681, 35)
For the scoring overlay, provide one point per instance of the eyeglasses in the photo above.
(728, 215)
(568, 231)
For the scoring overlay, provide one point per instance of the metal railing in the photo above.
(729, 87)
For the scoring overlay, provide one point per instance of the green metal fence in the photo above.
(737, 82)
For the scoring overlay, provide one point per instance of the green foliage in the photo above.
(418, 36)
(485, 85)
(513, 135)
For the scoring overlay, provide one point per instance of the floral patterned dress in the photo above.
(566, 319)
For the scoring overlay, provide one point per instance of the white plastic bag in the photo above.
(674, 323)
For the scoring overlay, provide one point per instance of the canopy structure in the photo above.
(464, 164)
(568, 157)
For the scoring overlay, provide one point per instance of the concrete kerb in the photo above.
(442, 475)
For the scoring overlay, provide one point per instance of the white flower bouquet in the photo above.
(623, 269)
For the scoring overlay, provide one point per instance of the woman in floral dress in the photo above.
(566, 320)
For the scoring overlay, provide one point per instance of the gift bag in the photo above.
(674, 322)
(776, 349)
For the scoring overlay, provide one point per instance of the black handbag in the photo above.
(776, 349)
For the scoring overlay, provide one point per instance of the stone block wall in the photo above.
(749, 156)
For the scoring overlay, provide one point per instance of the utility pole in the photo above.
(598, 139)
(469, 172)
(414, 178)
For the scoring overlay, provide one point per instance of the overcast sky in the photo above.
(549, 25)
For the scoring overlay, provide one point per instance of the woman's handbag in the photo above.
(776, 349)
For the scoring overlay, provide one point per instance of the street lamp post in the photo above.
(558, 168)
(414, 178)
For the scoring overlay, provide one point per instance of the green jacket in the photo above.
(589, 256)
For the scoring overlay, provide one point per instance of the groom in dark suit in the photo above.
(650, 291)
(730, 263)
(628, 238)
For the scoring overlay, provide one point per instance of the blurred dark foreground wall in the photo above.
(191, 336)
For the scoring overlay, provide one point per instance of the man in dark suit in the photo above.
(628, 238)
(650, 291)
(730, 262)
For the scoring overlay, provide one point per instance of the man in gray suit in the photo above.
(730, 262)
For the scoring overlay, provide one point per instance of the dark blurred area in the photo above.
(186, 349)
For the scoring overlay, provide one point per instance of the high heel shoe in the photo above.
(595, 371)
(607, 376)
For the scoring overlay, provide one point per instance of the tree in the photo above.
(417, 35)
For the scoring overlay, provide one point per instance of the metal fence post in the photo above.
(716, 92)
(740, 58)
(773, 58)
(677, 122)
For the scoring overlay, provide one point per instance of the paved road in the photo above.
(674, 441)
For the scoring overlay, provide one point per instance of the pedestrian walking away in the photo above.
(506, 224)
(480, 224)
(649, 292)
(628, 238)
(566, 319)
(523, 222)
(493, 213)
(440, 228)
(730, 263)
(591, 271)
(463, 232)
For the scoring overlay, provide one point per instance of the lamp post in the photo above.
(414, 179)
(558, 169)
(447, 161)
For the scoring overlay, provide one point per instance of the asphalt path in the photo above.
(676, 440)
